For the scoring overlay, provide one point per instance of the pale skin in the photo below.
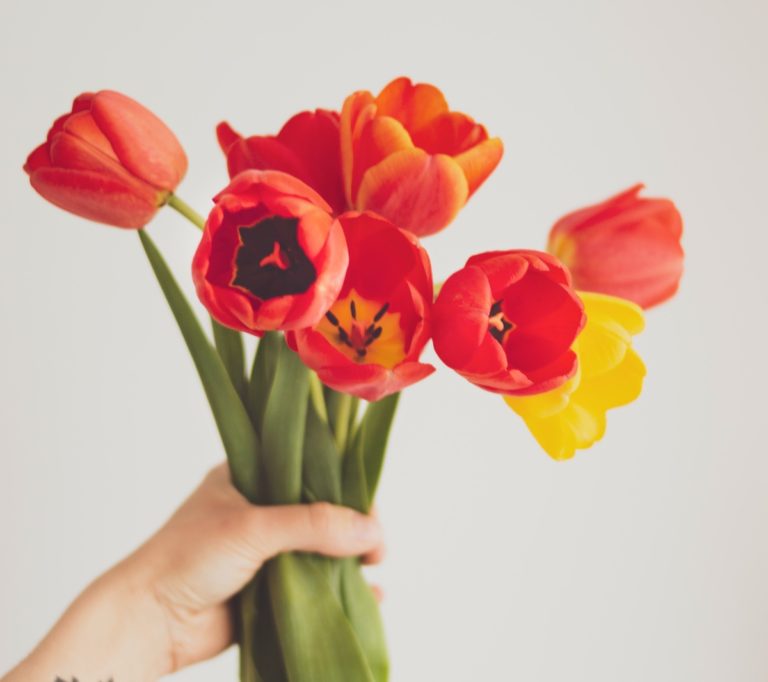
(168, 605)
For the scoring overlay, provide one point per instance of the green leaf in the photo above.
(373, 434)
(282, 435)
(240, 441)
(229, 344)
(322, 461)
(364, 616)
(248, 611)
(264, 649)
(354, 485)
(262, 376)
(316, 638)
(342, 412)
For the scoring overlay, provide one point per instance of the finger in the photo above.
(375, 556)
(320, 527)
(378, 593)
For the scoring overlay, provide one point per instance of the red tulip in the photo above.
(307, 147)
(506, 322)
(272, 256)
(406, 156)
(110, 160)
(369, 342)
(628, 246)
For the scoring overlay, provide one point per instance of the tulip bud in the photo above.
(628, 246)
(110, 160)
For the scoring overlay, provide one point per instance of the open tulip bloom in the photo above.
(313, 247)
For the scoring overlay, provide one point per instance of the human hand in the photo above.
(167, 605)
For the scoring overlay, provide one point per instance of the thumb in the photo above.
(320, 527)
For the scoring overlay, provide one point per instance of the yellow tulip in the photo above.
(610, 374)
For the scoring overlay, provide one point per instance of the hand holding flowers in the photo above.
(316, 238)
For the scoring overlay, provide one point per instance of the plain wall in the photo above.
(644, 558)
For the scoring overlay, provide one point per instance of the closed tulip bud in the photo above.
(627, 246)
(110, 160)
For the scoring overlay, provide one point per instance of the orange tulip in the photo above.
(627, 246)
(406, 156)
(110, 160)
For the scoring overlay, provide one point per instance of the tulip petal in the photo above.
(94, 196)
(415, 106)
(460, 316)
(38, 158)
(358, 107)
(479, 162)
(142, 142)
(227, 136)
(414, 190)
(313, 136)
(379, 138)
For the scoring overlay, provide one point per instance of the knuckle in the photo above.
(321, 516)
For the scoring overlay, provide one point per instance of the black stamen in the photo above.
(381, 312)
(376, 333)
(353, 309)
(344, 337)
(332, 318)
(361, 352)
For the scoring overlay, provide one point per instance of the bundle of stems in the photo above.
(288, 440)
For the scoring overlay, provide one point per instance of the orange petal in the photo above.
(415, 191)
(479, 162)
(415, 106)
(379, 138)
(354, 106)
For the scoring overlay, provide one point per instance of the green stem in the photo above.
(341, 419)
(186, 210)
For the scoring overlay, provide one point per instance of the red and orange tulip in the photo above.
(627, 246)
(402, 154)
(369, 342)
(506, 322)
(408, 157)
(272, 256)
(110, 160)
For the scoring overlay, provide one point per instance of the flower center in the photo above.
(499, 326)
(270, 261)
(365, 331)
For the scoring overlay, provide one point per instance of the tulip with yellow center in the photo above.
(610, 374)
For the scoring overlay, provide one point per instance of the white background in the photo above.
(645, 558)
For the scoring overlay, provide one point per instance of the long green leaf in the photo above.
(282, 435)
(364, 616)
(229, 344)
(322, 461)
(373, 435)
(248, 611)
(264, 648)
(316, 638)
(354, 485)
(237, 434)
(262, 376)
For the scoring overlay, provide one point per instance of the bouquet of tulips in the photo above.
(315, 247)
